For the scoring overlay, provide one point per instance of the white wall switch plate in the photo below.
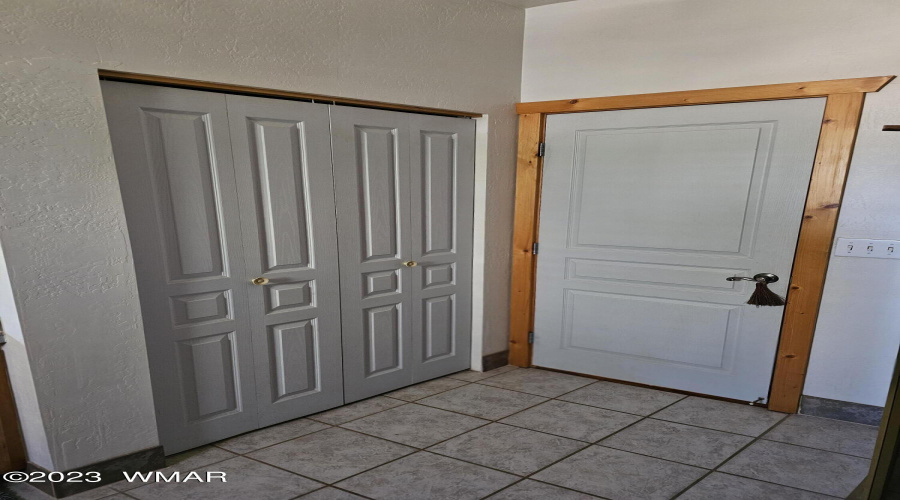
(861, 247)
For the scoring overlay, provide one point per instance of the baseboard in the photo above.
(495, 360)
(841, 410)
(110, 471)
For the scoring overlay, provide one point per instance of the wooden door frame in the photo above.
(840, 123)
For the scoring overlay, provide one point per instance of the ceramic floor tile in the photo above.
(183, 462)
(197, 457)
(22, 491)
(482, 401)
(718, 486)
(428, 476)
(721, 416)
(95, 494)
(678, 442)
(616, 474)
(826, 434)
(575, 421)
(331, 455)
(622, 397)
(472, 376)
(255, 440)
(533, 490)
(510, 449)
(352, 411)
(805, 468)
(539, 382)
(415, 425)
(25, 491)
(331, 494)
(245, 479)
(425, 389)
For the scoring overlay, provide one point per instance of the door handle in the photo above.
(260, 281)
(761, 277)
(411, 263)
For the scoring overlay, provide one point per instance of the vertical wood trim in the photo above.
(528, 166)
(12, 448)
(836, 140)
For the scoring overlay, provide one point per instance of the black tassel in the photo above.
(765, 297)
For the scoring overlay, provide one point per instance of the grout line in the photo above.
(429, 395)
(363, 416)
(736, 453)
(404, 402)
(292, 472)
(775, 484)
(645, 417)
(484, 378)
(704, 428)
(532, 393)
(531, 475)
(545, 399)
(521, 480)
(489, 421)
(728, 459)
(565, 488)
(815, 449)
(276, 444)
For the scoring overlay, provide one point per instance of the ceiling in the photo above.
(531, 3)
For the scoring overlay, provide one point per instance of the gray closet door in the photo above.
(442, 161)
(282, 154)
(371, 176)
(404, 187)
(174, 161)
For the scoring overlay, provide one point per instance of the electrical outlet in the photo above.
(875, 249)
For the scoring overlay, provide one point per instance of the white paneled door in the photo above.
(644, 214)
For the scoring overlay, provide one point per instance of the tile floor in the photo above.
(528, 434)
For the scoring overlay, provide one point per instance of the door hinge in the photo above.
(541, 149)
(531, 337)
(534, 248)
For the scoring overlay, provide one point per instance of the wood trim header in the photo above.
(123, 76)
(709, 96)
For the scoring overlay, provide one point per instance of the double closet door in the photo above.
(404, 189)
(230, 203)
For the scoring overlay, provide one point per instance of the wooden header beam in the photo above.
(709, 96)
(228, 88)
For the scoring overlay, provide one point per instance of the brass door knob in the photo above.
(260, 281)
(411, 263)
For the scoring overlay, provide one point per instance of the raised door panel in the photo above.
(283, 166)
(182, 167)
(442, 160)
(173, 156)
(371, 172)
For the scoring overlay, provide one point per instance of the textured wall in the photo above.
(62, 226)
(611, 47)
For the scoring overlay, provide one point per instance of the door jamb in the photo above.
(840, 123)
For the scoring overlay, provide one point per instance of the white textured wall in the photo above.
(62, 225)
(611, 47)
